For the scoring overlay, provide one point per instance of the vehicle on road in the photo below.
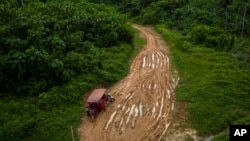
(97, 101)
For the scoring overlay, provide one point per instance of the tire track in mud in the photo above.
(144, 99)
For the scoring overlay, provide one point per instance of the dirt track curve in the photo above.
(144, 99)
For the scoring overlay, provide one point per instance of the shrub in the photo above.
(211, 37)
(54, 41)
(213, 84)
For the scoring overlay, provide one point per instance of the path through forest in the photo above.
(144, 99)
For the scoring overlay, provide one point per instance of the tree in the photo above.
(20, 2)
(34, 44)
(225, 4)
(244, 2)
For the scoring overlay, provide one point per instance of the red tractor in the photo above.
(97, 101)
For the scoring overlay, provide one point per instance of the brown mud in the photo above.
(145, 99)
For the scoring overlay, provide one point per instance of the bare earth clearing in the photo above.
(144, 104)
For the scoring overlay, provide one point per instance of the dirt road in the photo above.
(144, 99)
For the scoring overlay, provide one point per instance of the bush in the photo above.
(211, 37)
(213, 84)
(54, 41)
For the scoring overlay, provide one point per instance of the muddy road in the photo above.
(144, 99)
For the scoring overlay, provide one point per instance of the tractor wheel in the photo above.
(92, 117)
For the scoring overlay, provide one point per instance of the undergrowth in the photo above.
(214, 84)
(52, 114)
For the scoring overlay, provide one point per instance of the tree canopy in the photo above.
(45, 44)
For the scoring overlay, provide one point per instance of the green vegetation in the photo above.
(210, 47)
(51, 54)
(46, 44)
(222, 137)
(51, 115)
(139, 41)
(23, 119)
(220, 24)
(213, 84)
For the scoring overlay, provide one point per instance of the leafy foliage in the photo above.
(186, 14)
(51, 54)
(23, 120)
(222, 25)
(213, 84)
(51, 115)
(212, 37)
(45, 44)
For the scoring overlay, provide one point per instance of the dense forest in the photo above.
(220, 24)
(46, 44)
(52, 52)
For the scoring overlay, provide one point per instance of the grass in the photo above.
(212, 84)
(222, 137)
(51, 115)
(23, 120)
(138, 42)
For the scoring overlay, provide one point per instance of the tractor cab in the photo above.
(97, 101)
